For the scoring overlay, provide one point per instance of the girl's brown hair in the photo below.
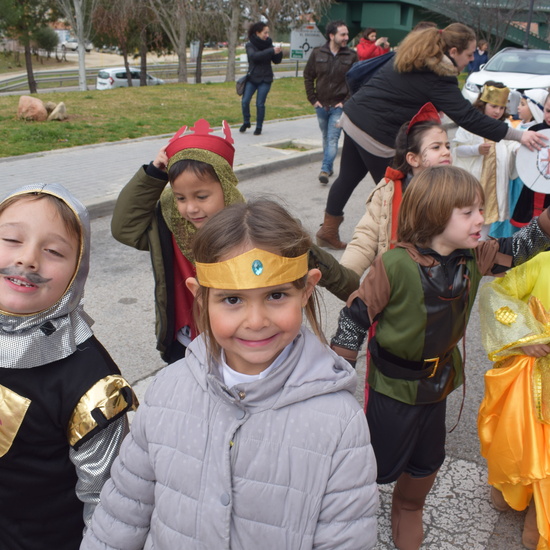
(480, 105)
(261, 224)
(429, 201)
(426, 48)
(411, 143)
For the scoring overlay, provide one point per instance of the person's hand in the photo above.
(536, 350)
(277, 49)
(339, 106)
(485, 147)
(533, 140)
(382, 41)
(161, 160)
(318, 104)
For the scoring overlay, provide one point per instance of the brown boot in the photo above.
(408, 500)
(328, 236)
(530, 537)
(498, 501)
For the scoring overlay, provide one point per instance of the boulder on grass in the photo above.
(50, 106)
(31, 108)
(59, 113)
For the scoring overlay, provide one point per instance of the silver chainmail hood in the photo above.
(27, 341)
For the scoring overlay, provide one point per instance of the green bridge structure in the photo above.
(395, 18)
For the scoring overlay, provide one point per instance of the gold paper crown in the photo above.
(495, 96)
(253, 269)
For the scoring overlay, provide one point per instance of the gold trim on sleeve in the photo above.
(13, 408)
(541, 389)
(103, 401)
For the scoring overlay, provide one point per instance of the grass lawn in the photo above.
(128, 113)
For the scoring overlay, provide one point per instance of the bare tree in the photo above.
(114, 18)
(281, 14)
(78, 14)
(233, 30)
(207, 21)
(173, 17)
(286, 14)
(490, 19)
(22, 19)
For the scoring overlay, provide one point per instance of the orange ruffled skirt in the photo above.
(515, 444)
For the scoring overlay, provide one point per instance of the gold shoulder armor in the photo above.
(13, 408)
(104, 402)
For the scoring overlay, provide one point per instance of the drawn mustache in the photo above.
(34, 278)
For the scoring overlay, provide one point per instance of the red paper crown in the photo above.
(201, 139)
(427, 112)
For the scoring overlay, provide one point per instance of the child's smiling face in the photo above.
(254, 326)
(197, 198)
(38, 257)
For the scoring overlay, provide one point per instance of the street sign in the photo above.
(304, 39)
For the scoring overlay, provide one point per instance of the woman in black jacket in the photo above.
(261, 53)
(423, 70)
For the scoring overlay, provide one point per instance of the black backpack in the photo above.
(362, 71)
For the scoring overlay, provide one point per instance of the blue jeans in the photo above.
(331, 134)
(249, 90)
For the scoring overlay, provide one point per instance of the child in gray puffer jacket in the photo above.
(254, 439)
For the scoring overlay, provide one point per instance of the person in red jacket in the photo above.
(369, 46)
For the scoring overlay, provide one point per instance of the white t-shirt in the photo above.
(232, 377)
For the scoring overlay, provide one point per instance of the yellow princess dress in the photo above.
(514, 417)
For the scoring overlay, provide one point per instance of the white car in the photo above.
(516, 68)
(110, 78)
(72, 45)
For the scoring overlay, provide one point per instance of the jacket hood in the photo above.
(311, 369)
(35, 339)
(442, 67)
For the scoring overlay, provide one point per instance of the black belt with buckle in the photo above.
(396, 367)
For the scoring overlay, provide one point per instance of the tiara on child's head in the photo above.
(201, 139)
(426, 112)
(495, 96)
(254, 269)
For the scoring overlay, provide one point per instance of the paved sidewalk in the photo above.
(96, 173)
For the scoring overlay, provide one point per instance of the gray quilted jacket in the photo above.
(280, 463)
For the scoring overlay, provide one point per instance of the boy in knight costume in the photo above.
(421, 293)
(63, 402)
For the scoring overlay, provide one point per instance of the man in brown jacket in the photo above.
(326, 88)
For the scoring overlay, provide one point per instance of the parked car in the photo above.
(72, 45)
(110, 78)
(518, 69)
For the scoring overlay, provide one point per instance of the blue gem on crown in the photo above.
(257, 267)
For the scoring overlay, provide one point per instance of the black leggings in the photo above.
(355, 164)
